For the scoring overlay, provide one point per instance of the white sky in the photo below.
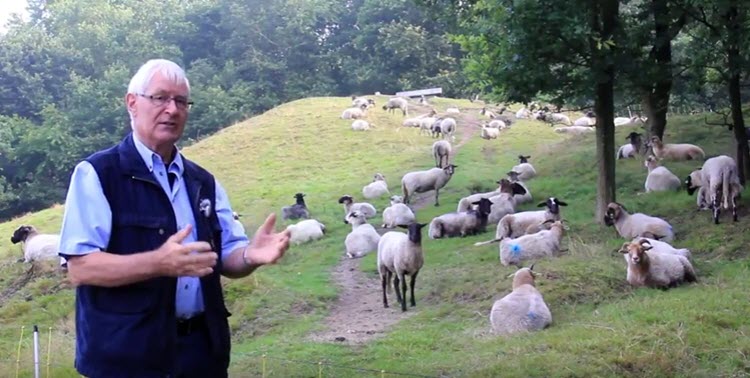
(10, 6)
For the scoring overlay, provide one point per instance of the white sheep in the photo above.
(638, 224)
(587, 120)
(525, 170)
(452, 110)
(417, 121)
(305, 231)
(360, 102)
(424, 181)
(505, 202)
(364, 208)
(354, 113)
(425, 125)
(361, 125)
(36, 246)
(363, 238)
(663, 247)
(488, 113)
(377, 188)
(523, 309)
(397, 103)
(489, 132)
(629, 121)
(545, 243)
(441, 151)
(631, 149)
(658, 270)
(515, 225)
(447, 126)
(400, 254)
(554, 118)
(719, 178)
(497, 124)
(660, 178)
(471, 222)
(523, 113)
(576, 130)
(397, 214)
(682, 151)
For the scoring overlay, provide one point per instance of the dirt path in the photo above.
(358, 315)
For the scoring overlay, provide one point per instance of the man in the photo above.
(147, 234)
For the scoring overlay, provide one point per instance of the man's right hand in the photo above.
(175, 259)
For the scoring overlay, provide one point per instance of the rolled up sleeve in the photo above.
(232, 233)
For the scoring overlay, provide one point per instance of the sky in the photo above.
(10, 6)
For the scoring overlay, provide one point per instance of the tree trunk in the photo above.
(735, 96)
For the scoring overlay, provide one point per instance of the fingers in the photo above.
(180, 235)
(267, 226)
(198, 246)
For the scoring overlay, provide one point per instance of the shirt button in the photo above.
(161, 231)
(161, 173)
(186, 286)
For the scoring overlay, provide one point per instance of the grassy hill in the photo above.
(601, 326)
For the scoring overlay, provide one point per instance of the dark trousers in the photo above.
(193, 356)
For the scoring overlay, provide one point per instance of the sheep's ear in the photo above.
(532, 267)
(518, 189)
(561, 203)
(624, 248)
(542, 204)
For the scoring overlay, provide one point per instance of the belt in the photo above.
(188, 326)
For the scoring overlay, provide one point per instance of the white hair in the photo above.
(169, 69)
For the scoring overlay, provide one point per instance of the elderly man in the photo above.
(147, 234)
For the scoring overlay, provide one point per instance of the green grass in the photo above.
(601, 326)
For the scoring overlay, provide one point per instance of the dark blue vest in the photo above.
(130, 331)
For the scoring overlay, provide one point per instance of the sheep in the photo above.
(377, 188)
(660, 178)
(447, 126)
(425, 124)
(306, 230)
(452, 110)
(720, 182)
(523, 113)
(363, 238)
(354, 113)
(464, 204)
(682, 151)
(574, 129)
(366, 209)
(587, 120)
(36, 246)
(520, 198)
(423, 181)
(656, 270)
(397, 103)
(296, 211)
(488, 113)
(663, 247)
(505, 202)
(441, 150)
(471, 222)
(489, 132)
(525, 170)
(397, 214)
(544, 243)
(359, 102)
(361, 125)
(400, 254)
(523, 309)
(515, 225)
(625, 121)
(416, 121)
(631, 149)
(554, 118)
(496, 124)
(638, 224)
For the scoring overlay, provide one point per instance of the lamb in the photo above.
(441, 150)
(663, 247)
(400, 254)
(719, 180)
(574, 129)
(364, 208)
(515, 225)
(36, 246)
(525, 170)
(397, 103)
(397, 214)
(656, 270)
(423, 181)
(489, 132)
(361, 125)
(377, 188)
(631, 149)
(520, 198)
(545, 243)
(296, 211)
(363, 238)
(305, 231)
(635, 225)
(682, 151)
(523, 310)
(660, 178)
(505, 202)
(354, 113)
(471, 222)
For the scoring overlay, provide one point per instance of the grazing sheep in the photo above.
(361, 125)
(720, 182)
(397, 103)
(663, 247)
(576, 130)
(363, 208)
(397, 214)
(377, 188)
(660, 178)
(505, 202)
(631, 149)
(400, 254)
(441, 150)
(424, 181)
(523, 310)
(545, 243)
(520, 198)
(525, 170)
(354, 113)
(653, 269)
(305, 231)
(683, 151)
(523, 113)
(515, 225)
(638, 224)
(296, 211)
(471, 222)
(363, 238)
(489, 132)
(36, 246)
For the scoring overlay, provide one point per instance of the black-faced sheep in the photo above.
(471, 222)
(296, 211)
(36, 246)
(400, 254)
(631, 149)
(366, 209)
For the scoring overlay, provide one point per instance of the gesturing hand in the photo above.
(175, 259)
(267, 247)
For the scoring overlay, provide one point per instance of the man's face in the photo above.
(159, 124)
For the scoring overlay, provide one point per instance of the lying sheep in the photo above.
(397, 103)
(441, 150)
(496, 124)
(489, 132)
(663, 247)
(515, 225)
(719, 178)
(361, 125)
(488, 113)
(364, 208)
(660, 178)
(523, 310)
(545, 243)
(683, 151)
(587, 120)
(305, 231)
(471, 222)
(625, 121)
(397, 214)
(554, 118)
(505, 202)
(424, 181)
(576, 130)
(417, 121)
(525, 170)
(653, 269)
(400, 254)
(631, 149)
(363, 238)
(377, 188)
(296, 211)
(635, 225)
(523, 113)
(36, 246)
(453, 110)
(520, 197)
(359, 102)
(354, 113)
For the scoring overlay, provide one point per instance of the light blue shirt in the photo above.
(87, 221)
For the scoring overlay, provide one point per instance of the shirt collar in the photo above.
(151, 158)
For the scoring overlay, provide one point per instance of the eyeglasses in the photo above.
(162, 100)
